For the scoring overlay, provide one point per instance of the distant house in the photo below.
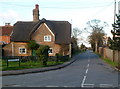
(5, 33)
(55, 34)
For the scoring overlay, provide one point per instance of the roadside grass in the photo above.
(0, 64)
(26, 65)
(114, 64)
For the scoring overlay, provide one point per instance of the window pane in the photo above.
(50, 50)
(22, 50)
(47, 38)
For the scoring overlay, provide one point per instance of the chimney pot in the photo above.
(37, 6)
(7, 24)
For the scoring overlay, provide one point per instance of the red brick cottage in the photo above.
(5, 33)
(55, 34)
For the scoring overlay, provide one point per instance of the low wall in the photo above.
(117, 56)
(113, 55)
(108, 53)
(101, 50)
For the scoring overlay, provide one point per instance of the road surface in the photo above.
(87, 71)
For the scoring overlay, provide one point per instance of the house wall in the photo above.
(12, 49)
(38, 36)
(18, 45)
(5, 39)
(7, 50)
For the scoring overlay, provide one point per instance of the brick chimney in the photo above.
(36, 13)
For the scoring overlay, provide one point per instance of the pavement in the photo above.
(35, 70)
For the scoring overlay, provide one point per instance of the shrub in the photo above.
(33, 46)
(42, 53)
(58, 57)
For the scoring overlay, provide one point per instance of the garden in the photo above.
(10, 63)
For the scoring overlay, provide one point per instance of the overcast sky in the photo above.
(77, 12)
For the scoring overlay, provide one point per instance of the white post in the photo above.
(70, 50)
(12, 49)
(119, 8)
(96, 46)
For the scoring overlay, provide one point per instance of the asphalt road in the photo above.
(87, 71)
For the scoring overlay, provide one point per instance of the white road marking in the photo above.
(51, 86)
(86, 71)
(68, 86)
(83, 81)
(88, 65)
(88, 85)
(106, 85)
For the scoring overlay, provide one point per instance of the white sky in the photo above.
(77, 12)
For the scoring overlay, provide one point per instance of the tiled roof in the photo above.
(6, 30)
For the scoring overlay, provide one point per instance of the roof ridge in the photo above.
(43, 19)
(25, 21)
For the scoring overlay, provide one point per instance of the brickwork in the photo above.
(101, 50)
(18, 45)
(7, 50)
(36, 13)
(5, 39)
(38, 36)
(12, 49)
(113, 55)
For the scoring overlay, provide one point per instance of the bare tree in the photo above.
(76, 32)
(96, 31)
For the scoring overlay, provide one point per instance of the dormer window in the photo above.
(47, 38)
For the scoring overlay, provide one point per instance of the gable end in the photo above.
(49, 29)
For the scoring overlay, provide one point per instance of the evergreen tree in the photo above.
(115, 43)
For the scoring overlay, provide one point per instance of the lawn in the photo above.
(25, 65)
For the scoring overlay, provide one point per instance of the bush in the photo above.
(42, 52)
(32, 45)
(58, 57)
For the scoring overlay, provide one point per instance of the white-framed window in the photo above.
(22, 50)
(50, 51)
(47, 38)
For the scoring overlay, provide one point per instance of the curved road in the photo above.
(87, 71)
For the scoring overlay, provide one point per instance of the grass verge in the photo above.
(26, 65)
(114, 64)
